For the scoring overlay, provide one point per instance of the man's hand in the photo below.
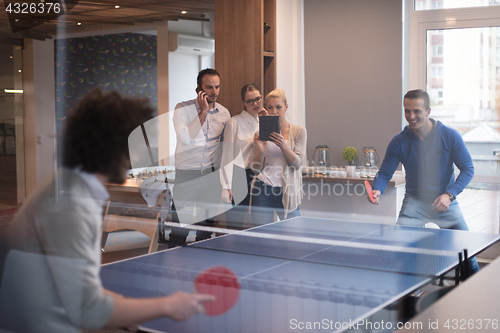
(442, 203)
(204, 106)
(376, 197)
(129, 312)
(181, 305)
(227, 195)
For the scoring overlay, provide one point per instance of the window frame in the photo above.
(415, 26)
(423, 20)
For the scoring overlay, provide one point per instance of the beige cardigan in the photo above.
(292, 177)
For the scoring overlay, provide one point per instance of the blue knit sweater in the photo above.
(428, 164)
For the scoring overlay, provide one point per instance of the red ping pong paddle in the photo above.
(369, 191)
(221, 282)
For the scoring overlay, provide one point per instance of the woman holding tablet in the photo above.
(278, 162)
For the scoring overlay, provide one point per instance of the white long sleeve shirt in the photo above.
(238, 138)
(203, 151)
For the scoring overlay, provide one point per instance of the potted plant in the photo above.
(349, 154)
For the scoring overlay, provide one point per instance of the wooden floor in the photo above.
(481, 210)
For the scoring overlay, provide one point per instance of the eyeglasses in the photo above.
(251, 101)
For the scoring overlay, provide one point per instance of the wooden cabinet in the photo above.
(245, 48)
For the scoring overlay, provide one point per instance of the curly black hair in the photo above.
(95, 135)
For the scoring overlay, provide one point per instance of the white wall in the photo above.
(353, 74)
(183, 69)
(39, 98)
(182, 73)
(290, 56)
(45, 107)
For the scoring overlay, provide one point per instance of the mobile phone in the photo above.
(198, 89)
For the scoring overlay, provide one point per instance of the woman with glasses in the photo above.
(238, 138)
(278, 185)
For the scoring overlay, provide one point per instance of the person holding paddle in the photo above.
(50, 280)
(428, 150)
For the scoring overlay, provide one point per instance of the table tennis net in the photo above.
(342, 253)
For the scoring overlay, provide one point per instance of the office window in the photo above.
(467, 95)
(464, 92)
(419, 5)
(437, 4)
(449, 4)
(437, 72)
(437, 50)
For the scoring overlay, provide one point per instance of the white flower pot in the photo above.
(350, 170)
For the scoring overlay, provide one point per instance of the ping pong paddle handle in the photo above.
(369, 192)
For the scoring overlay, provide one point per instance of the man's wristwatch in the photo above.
(452, 197)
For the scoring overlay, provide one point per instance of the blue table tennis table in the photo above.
(302, 274)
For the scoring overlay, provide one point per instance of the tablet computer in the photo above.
(268, 124)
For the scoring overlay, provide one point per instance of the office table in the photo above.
(299, 272)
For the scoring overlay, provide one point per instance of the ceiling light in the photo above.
(13, 91)
(11, 57)
(19, 71)
(117, 6)
(183, 12)
(17, 20)
(79, 23)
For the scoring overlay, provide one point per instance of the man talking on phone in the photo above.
(199, 126)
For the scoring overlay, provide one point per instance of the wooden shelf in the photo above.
(244, 53)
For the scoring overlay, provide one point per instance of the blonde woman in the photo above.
(278, 185)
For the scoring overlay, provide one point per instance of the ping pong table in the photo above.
(301, 274)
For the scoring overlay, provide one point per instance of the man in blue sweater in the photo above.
(427, 149)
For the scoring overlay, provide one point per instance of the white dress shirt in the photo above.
(238, 137)
(203, 151)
